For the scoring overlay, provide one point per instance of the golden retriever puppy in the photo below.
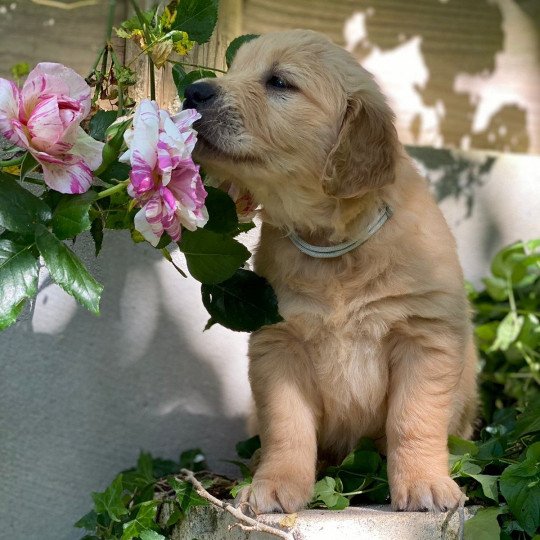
(376, 340)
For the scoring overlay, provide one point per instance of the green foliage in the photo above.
(235, 44)
(221, 212)
(19, 277)
(212, 257)
(99, 124)
(20, 70)
(244, 302)
(197, 18)
(182, 79)
(67, 270)
(508, 329)
(145, 502)
(71, 215)
(28, 165)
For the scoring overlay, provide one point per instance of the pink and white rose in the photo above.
(44, 117)
(164, 179)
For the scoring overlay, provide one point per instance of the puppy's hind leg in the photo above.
(280, 380)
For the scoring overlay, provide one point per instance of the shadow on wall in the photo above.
(82, 403)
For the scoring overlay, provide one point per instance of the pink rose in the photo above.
(163, 178)
(44, 117)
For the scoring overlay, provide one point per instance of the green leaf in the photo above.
(508, 331)
(175, 517)
(144, 520)
(193, 459)
(96, 230)
(221, 211)
(99, 123)
(361, 462)
(114, 137)
(19, 271)
(244, 303)
(20, 211)
(459, 447)
(186, 495)
(212, 257)
(196, 17)
(520, 486)
(110, 501)
(529, 421)
(182, 79)
(70, 217)
(235, 44)
(325, 492)
(489, 485)
(497, 288)
(88, 521)
(145, 466)
(246, 449)
(115, 172)
(483, 525)
(235, 490)
(152, 535)
(28, 165)
(67, 270)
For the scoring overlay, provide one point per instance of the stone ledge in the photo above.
(357, 523)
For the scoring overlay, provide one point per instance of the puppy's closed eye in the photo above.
(277, 82)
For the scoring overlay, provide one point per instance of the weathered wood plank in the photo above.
(33, 33)
(458, 73)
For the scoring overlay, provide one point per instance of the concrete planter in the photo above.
(358, 523)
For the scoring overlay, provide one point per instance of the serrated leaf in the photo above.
(28, 165)
(483, 525)
(235, 44)
(244, 303)
(221, 211)
(99, 124)
(182, 79)
(110, 501)
(196, 17)
(67, 270)
(489, 485)
(70, 217)
(211, 257)
(19, 271)
(20, 210)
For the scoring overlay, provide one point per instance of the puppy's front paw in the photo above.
(276, 495)
(435, 493)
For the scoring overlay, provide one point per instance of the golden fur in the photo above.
(375, 343)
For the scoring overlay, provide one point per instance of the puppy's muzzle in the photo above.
(199, 95)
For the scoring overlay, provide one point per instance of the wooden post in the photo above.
(211, 54)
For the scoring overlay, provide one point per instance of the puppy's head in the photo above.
(296, 116)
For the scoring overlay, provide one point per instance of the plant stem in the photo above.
(152, 79)
(196, 66)
(110, 20)
(12, 162)
(109, 191)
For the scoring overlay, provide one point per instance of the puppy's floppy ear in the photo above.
(364, 156)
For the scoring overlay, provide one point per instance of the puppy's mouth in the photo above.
(206, 148)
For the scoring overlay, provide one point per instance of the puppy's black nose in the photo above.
(198, 94)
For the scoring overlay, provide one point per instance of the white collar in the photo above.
(329, 252)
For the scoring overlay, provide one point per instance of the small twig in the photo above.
(244, 522)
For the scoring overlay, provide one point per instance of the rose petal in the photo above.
(45, 125)
(9, 109)
(49, 78)
(150, 231)
(70, 178)
(88, 148)
(145, 134)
